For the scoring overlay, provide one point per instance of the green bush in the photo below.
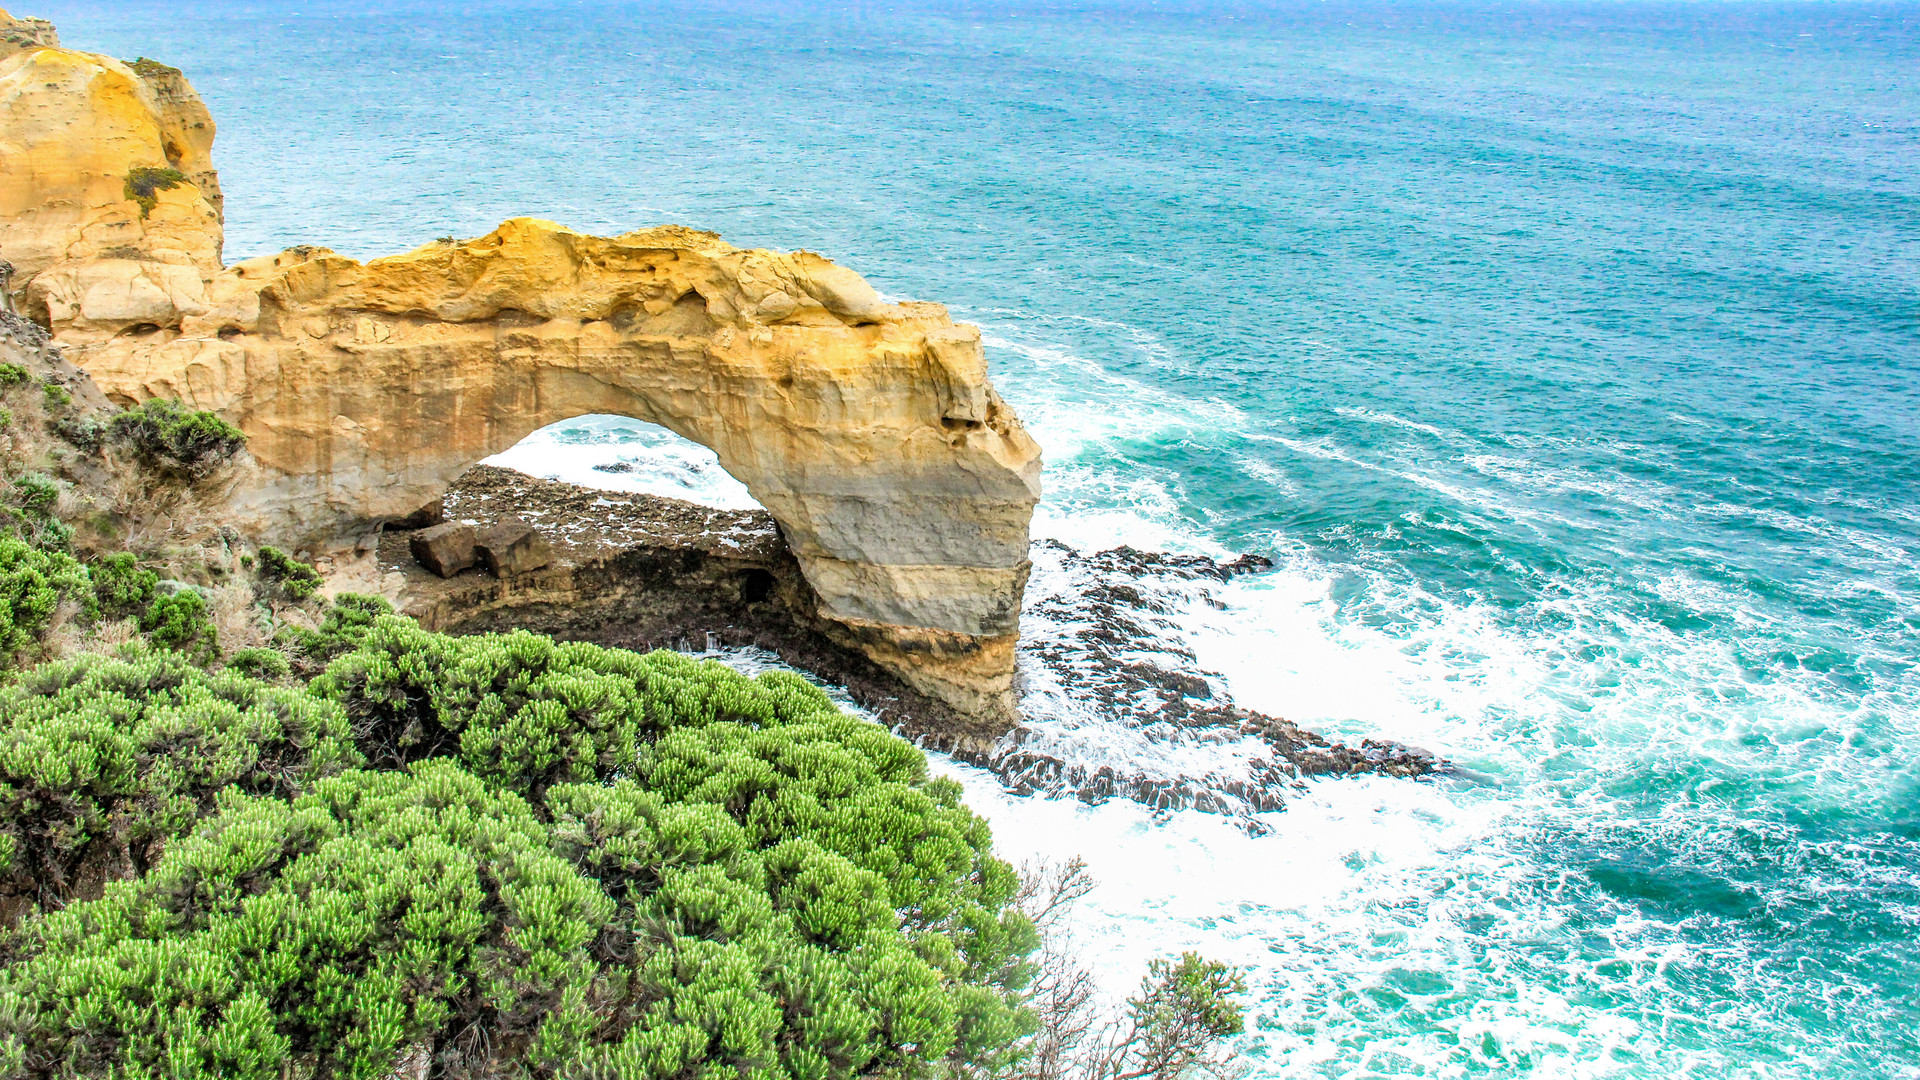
(12, 375)
(620, 865)
(121, 589)
(179, 621)
(103, 760)
(345, 626)
(6, 418)
(293, 578)
(29, 510)
(171, 439)
(260, 663)
(33, 585)
(82, 432)
(35, 495)
(144, 183)
(57, 396)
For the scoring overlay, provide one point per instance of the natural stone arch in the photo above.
(901, 481)
(868, 430)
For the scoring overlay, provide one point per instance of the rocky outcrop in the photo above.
(110, 209)
(901, 482)
(19, 35)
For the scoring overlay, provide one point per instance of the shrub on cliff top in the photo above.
(617, 865)
(171, 439)
(152, 69)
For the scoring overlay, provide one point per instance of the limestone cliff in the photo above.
(869, 430)
(110, 208)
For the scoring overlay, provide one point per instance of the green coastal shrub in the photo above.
(35, 495)
(594, 863)
(11, 375)
(345, 626)
(172, 439)
(81, 432)
(260, 663)
(34, 583)
(293, 578)
(179, 621)
(103, 759)
(28, 510)
(121, 588)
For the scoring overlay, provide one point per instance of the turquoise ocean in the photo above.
(1564, 357)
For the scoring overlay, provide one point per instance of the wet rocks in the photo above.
(1118, 706)
(446, 549)
(512, 547)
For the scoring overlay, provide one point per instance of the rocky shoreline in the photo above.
(643, 571)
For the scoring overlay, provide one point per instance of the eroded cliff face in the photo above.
(109, 205)
(900, 480)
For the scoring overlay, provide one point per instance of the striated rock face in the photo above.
(869, 430)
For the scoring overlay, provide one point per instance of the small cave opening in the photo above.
(756, 586)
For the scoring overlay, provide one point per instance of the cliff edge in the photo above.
(900, 480)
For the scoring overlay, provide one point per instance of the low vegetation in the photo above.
(248, 833)
(172, 439)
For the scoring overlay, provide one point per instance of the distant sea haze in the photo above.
(1564, 357)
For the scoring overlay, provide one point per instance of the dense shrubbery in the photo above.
(121, 587)
(346, 624)
(34, 584)
(171, 439)
(28, 510)
(179, 621)
(374, 851)
(102, 759)
(37, 584)
(611, 864)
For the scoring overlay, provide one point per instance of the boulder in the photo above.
(513, 547)
(434, 513)
(446, 549)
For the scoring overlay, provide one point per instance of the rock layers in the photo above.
(900, 481)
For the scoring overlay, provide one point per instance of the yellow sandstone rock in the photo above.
(870, 431)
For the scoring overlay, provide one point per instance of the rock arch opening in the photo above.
(620, 453)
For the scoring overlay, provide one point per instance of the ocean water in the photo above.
(1563, 356)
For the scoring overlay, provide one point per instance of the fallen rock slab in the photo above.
(512, 547)
(445, 549)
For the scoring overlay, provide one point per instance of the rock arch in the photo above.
(902, 483)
